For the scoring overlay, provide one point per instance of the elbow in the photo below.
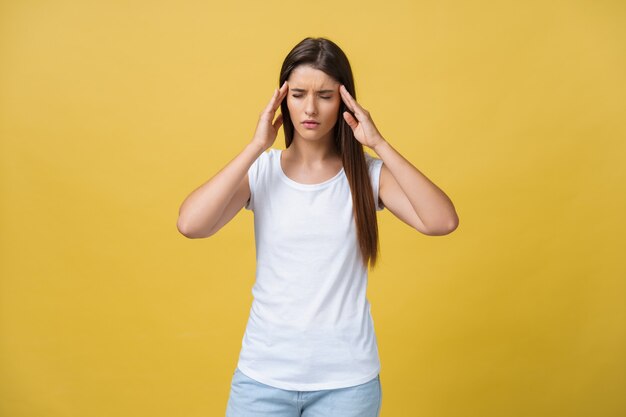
(444, 229)
(454, 224)
(189, 232)
(183, 229)
(182, 223)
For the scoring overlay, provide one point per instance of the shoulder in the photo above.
(265, 158)
(269, 155)
(260, 166)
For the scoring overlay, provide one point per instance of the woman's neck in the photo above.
(311, 153)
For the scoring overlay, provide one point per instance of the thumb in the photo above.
(350, 120)
(278, 122)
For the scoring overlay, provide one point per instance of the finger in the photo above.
(278, 122)
(277, 98)
(348, 104)
(350, 101)
(270, 105)
(352, 122)
(345, 98)
(282, 93)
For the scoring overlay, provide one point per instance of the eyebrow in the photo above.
(318, 91)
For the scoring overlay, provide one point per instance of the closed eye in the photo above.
(300, 95)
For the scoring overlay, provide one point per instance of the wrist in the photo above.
(379, 144)
(256, 147)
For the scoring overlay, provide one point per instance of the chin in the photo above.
(312, 135)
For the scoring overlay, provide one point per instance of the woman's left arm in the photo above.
(411, 196)
(403, 189)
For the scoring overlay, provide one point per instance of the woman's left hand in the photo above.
(363, 126)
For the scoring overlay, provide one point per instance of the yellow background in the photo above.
(111, 113)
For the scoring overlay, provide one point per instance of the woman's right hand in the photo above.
(266, 131)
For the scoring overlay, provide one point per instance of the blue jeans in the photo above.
(250, 398)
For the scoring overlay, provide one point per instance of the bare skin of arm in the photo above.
(412, 197)
(403, 189)
(213, 204)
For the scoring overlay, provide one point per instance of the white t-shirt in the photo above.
(310, 325)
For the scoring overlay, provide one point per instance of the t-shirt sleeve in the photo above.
(374, 166)
(253, 178)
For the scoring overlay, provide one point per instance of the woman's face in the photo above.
(313, 95)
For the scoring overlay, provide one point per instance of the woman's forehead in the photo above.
(305, 76)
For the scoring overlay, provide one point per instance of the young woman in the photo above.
(309, 348)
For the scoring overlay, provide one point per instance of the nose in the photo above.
(310, 107)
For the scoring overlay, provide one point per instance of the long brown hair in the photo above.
(326, 56)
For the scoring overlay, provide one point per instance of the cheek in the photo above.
(295, 107)
(333, 110)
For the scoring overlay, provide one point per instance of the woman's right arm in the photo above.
(224, 194)
(213, 204)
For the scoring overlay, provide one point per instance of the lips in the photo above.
(310, 125)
